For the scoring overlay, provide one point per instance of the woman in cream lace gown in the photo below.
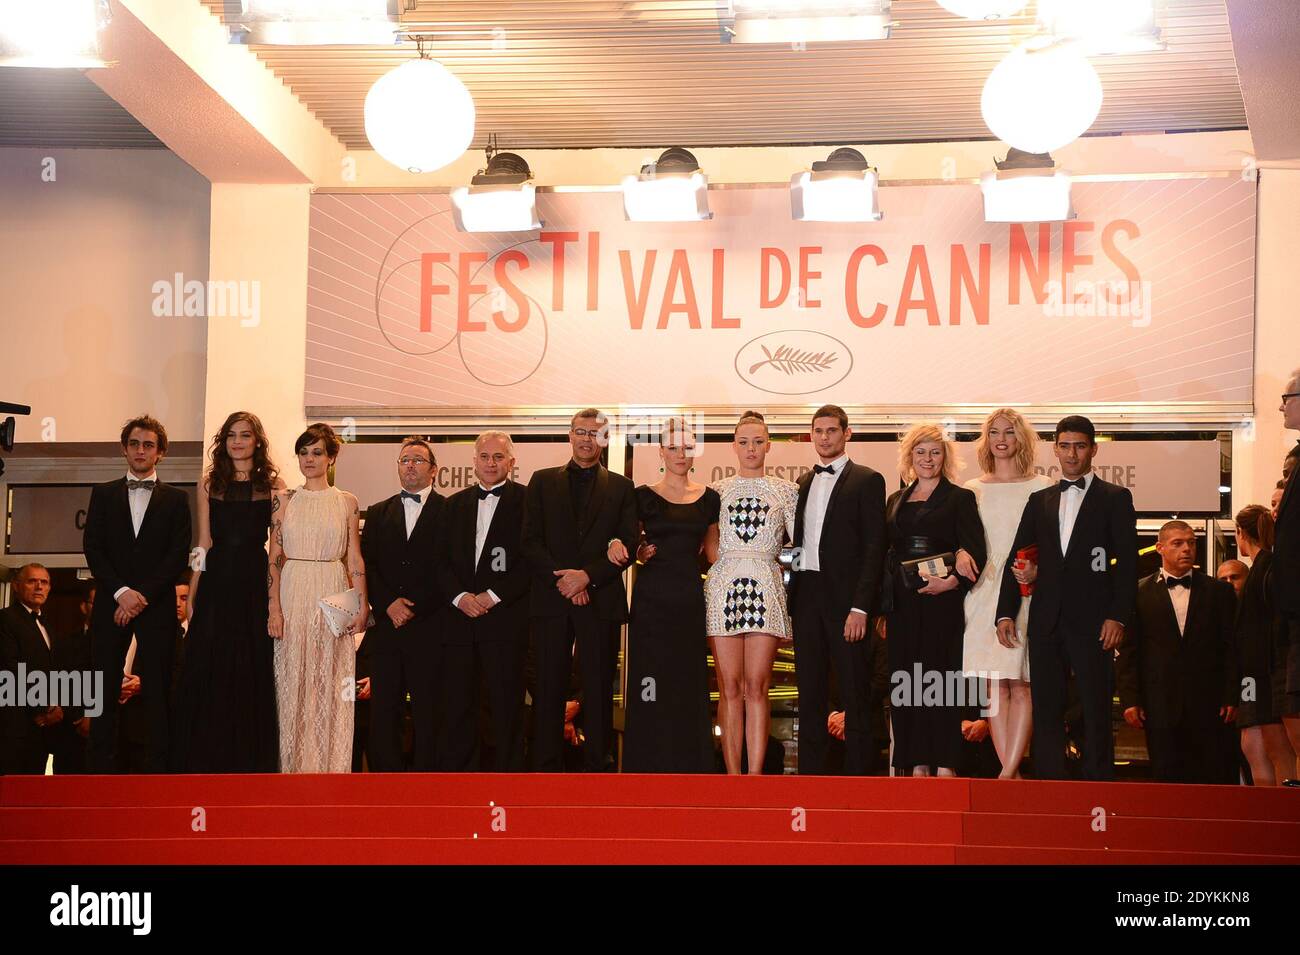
(315, 552)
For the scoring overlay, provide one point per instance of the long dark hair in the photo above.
(221, 474)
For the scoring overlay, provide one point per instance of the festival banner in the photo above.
(1148, 296)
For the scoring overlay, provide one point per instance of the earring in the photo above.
(661, 470)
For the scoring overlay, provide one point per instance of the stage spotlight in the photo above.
(1027, 187)
(501, 198)
(670, 190)
(840, 188)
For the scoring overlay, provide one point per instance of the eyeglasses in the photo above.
(587, 432)
(406, 462)
(1292, 394)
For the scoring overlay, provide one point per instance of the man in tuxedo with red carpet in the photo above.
(1085, 584)
(484, 582)
(398, 544)
(137, 542)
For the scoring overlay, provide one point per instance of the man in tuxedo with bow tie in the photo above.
(1177, 678)
(839, 540)
(1085, 584)
(571, 516)
(398, 544)
(136, 541)
(484, 582)
(30, 734)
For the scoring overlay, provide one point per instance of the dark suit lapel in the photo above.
(1087, 507)
(805, 487)
(150, 509)
(1197, 604)
(836, 491)
(599, 488)
(1167, 606)
(1052, 517)
(423, 523)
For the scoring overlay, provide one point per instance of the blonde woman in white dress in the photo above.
(744, 594)
(315, 552)
(1006, 458)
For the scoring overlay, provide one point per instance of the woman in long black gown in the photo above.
(226, 714)
(931, 516)
(667, 727)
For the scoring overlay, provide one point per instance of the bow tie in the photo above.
(1078, 482)
(133, 485)
(823, 469)
(412, 496)
(484, 493)
(1172, 582)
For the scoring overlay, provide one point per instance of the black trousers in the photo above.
(1186, 754)
(819, 648)
(597, 650)
(1051, 658)
(27, 755)
(155, 641)
(491, 668)
(403, 660)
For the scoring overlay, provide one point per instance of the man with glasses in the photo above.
(571, 515)
(398, 546)
(1284, 572)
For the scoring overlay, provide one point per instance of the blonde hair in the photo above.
(1026, 439)
(920, 434)
(675, 427)
(751, 417)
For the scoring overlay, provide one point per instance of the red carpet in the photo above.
(560, 819)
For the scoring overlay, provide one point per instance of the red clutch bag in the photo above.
(1027, 555)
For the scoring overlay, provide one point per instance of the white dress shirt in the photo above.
(411, 510)
(1071, 501)
(138, 500)
(487, 508)
(1180, 597)
(814, 515)
(45, 634)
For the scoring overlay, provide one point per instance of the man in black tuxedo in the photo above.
(137, 542)
(1085, 583)
(839, 540)
(133, 710)
(571, 515)
(29, 734)
(484, 581)
(398, 544)
(1284, 571)
(1177, 679)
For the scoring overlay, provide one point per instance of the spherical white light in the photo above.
(983, 9)
(1040, 100)
(419, 117)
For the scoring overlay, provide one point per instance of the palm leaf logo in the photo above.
(792, 361)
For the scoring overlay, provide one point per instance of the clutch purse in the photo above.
(940, 565)
(1027, 554)
(341, 609)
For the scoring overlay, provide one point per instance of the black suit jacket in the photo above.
(1181, 680)
(1068, 591)
(1284, 574)
(21, 642)
(502, 567)
(400, 567)
(851, 550)
(150, 562)
(555, 538)
(950, 517)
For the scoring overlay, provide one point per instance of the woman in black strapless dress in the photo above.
(226, 715)
(668, 724)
